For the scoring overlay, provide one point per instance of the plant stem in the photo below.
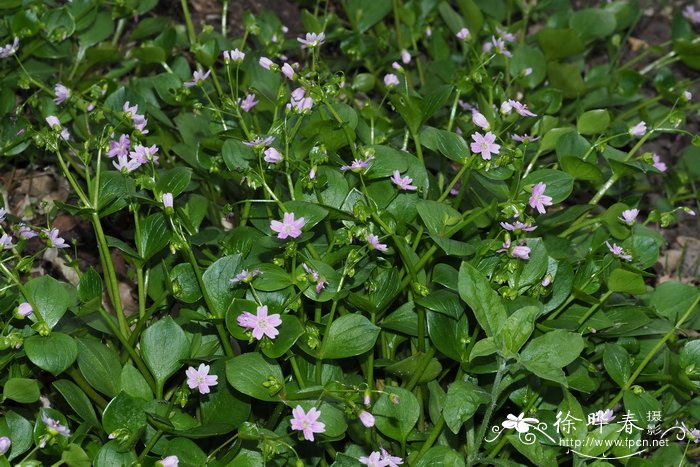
(495, 393)
(87, 389)
(653, 351)
(188, 21)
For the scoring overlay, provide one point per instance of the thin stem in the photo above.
(188, 22)
(652, 352)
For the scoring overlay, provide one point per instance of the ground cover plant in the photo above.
(396, 233)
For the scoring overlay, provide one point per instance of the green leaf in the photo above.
(485, 302)
(559, 184)
(74, 456)
(396, 420)
(671, 299)
(443, 301)
(449, 336)
(19, 431)
(163, 346)
(526, 57)
(559, 43)
(463, 398)
(441, 456)
(237, 156)
(248, 373)
(517, 330)
(53, 353)
(363, 14)
(567, 78)
(124, 412)
(290, 330)
(184, 283)
(77, 400)
(406, 368)
(101, 29)
(592, 23)
(99, 365)
(593, 122)
(22, 390)
(449, 144)
(187, 451)
(153, 236)
(617, 363)
(111, 454)
(621, 280)
(174, 180)
(439, 218)
(217, 282)
(271, 278)
(539, 454)
(50, 297)
(546, 355)
(132, 382)
(348, 336)
(409, 109)
(222, 405)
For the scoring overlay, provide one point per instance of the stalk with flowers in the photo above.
(373, 242)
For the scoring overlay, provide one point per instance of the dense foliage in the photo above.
(418, 232)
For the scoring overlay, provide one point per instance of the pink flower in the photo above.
(506, 107)
(515, 251)
(62, 93)
(312, 40)
(235, 55)
(119, 147)
(289, 227)
(144, 154)
(170, 461)
(64, 134)
(320, 282)
(485, 144)
(288, 71)
(546, 280)
(9, 49)
(403, 183)
(54, 241)
(507, 36)
(527, 71)
(525, 139)
(54, 426)
(391, 461)
(374, 244)
(538, 200)
(24, 309)
(26, 232)
(358, 165)
(366, 418)
(391, 80)
(167, 199)
(299, 102)
(373, 460)
(687, 95)
(6, 242)
(266, 63)
(272, 156)
(5, 444)
(307, 423)
(618, 251)
(500, 46)
(479, 120)
(197, 78)
(405, 57)
(690, 13)
(629, 216)
(200, 378)
(245, 276)
(131, 110)
(639, 129)
(603, 417)
(260, 141)
(463, 34)
(521, 108)
(248, 103)
(126, 165)
(517, 225)
(658, 165)
(53, 122)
